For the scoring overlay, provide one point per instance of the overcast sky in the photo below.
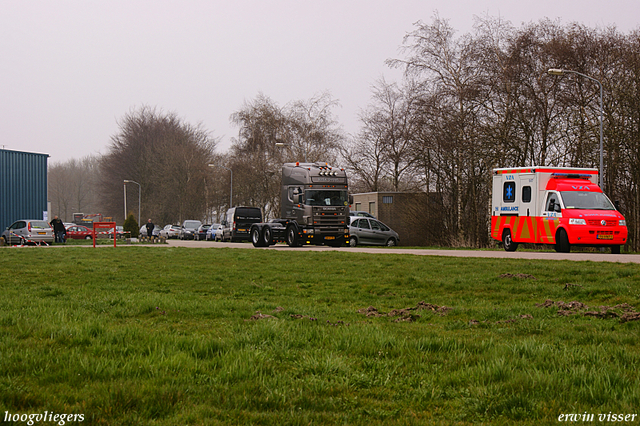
(70, 69)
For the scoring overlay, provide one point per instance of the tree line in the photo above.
(466, 104)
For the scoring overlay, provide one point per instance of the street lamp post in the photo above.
(231, 180)
(557, 71)
(125, 198)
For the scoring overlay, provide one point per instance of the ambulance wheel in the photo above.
(562, 241)
(509, 244)
(256, 237)
(615, 249)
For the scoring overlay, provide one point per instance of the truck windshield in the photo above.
(326, 198)
(586, 200)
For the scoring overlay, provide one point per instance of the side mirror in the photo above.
(617, 204)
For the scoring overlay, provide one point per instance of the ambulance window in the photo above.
(552, 201)
(526, 194)
(509, 192)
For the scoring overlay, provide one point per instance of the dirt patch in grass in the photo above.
(520, 276)
(406, 314)
(624, 311)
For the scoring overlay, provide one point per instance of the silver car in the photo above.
(28, 231)
(170, 231)
(367, 231)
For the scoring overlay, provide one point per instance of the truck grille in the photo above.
(329, 218)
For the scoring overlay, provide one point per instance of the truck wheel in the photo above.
(509, 244)
(615, 249)
(266, 236)
(256, 238)
(292, 236)
(562, 241)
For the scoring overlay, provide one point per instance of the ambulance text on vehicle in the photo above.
(563, 206)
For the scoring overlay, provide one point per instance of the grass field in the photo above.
(178, 336)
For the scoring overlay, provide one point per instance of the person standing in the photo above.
(59, 230)
(150, 227)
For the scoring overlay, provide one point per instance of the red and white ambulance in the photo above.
(563, 206)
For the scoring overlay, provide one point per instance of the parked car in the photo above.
(79, 232)
(214, 233)
(368, 231)
(29, 231)
(155, 232)
(361, 214)
(237, 225)
(170, 231)
(189, 229)
(201, 232)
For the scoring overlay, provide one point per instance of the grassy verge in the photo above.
(169, 336)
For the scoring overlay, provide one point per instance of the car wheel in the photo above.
(509, 244)
(391, 242)
(88, 237)
(353, 241)
(266, 236)
(256, 238)
(562, 241)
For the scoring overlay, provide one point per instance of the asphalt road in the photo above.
(497, 254)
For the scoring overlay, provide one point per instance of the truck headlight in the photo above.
(576, 221)
(622, 222)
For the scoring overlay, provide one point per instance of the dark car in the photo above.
(237, 225)
(201, 232)
(367, 231)
(361, 213)
(188, 229)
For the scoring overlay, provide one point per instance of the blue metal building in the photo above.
(23, 186)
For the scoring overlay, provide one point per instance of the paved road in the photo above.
(498, 254)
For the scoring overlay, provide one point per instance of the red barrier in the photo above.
(98, 225)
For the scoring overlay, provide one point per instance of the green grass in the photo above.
(164, 336)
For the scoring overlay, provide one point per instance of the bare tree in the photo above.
(167, 157)
(72, 187)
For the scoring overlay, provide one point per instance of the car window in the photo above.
(375, 225)
(383, 226)
(39, 224)
(364, 224)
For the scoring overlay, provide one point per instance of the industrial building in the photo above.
(23, 186)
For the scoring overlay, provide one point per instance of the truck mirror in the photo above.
(298, 198)
(350, 199)
(556, 208)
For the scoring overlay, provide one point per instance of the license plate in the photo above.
(42, 233)
(330, 237)
(242, 230)
(604, 237)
